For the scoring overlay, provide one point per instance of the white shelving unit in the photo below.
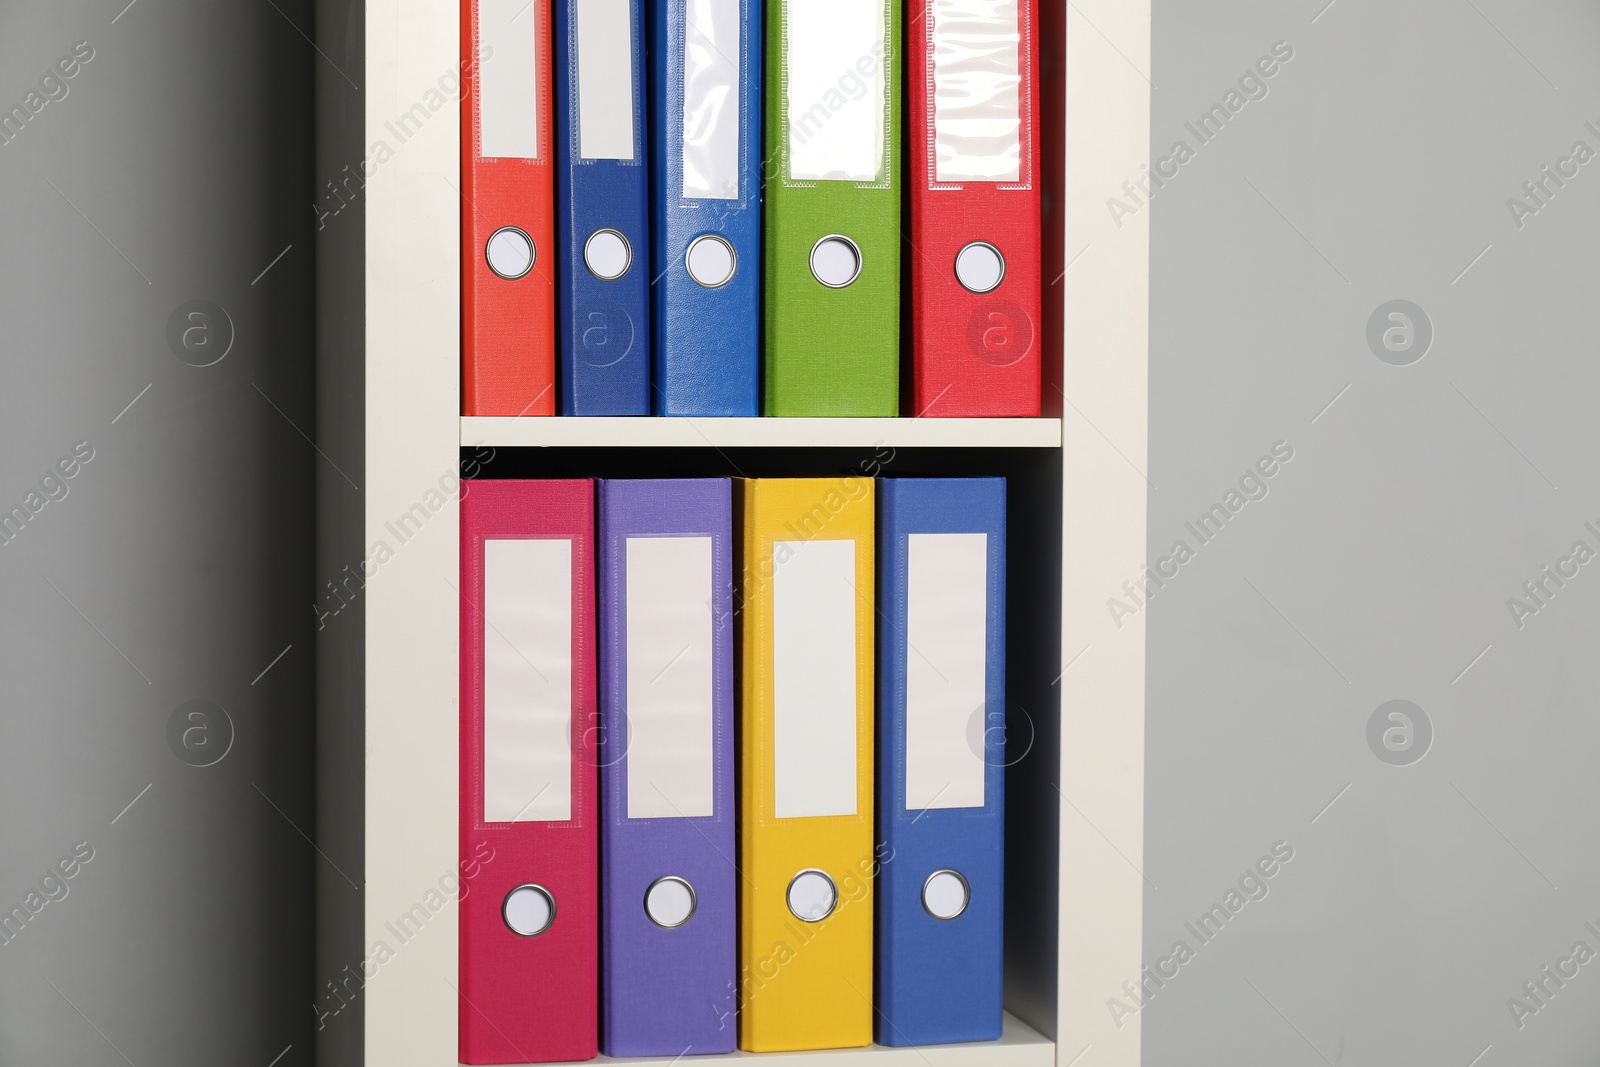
(389, 399)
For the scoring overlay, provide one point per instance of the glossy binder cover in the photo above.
(507, 231)
(972, 146)
(831, 314)
(806, 816)
(705, 206)
(529, 811)
(941, 778)
(667, 749)
(602, 217)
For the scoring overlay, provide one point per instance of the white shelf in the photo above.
(760, 433)
(1019, 1046)
(388, 411)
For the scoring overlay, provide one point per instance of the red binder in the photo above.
(508, 252)
(972, 75)
(529, 818)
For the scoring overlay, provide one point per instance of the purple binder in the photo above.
(667, 932)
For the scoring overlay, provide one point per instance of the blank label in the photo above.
(671, 738)
(527, 681)
(508, 80)
(946, 632)
(814, 678)
(711, 99)
(838, 97)
(605, 84)
(977, 85)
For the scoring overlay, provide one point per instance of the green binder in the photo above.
(831, 212)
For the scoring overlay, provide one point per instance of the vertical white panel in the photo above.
(977, 97)
(946, 630)
(605, 82)
(1106, 326)
(527, 681)
(395, 788)
(838, 97)
(508, 80)
(814, 678)
(711, 38)
(670, 737)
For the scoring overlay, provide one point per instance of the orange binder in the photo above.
(508, 254)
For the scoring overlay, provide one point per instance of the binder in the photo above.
(806, 837)
(831, 320)
(602, 219)
(666, 716)
(976, 307)
(941, 783)
(529, 818)
(705, 145)
(507, 232)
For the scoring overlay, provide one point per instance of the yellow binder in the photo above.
(807, 856)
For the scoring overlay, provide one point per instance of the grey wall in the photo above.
(154, 637)
(336, 997)
(1379, 565)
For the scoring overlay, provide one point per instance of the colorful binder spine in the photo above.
(941, 782)
(831, 308)
(602, 216)
(705, 143)
(667, 801)
(507, 229)
(806, 818)
(975, 202)
(529, 928)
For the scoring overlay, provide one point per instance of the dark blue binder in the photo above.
(941, 780)
(602, 221)
(705, 206)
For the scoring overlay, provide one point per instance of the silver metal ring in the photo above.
(855, 250)
(549, 899)
(733, 259)
(790, 889)
(627, 250)
(694, 901)
(533, 252)
(966, 894)
(999, 258)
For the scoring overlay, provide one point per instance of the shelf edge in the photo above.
(650, 432)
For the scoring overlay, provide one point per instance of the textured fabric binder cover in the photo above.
(667, 992)
(831, 352)
(507, 325)
(605, 324)
(939, 980)
(528, 999)
(973, 354)
(706, 341)
(802, 984)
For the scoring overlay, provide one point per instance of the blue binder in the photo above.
(705, 206)
(941, 781)
(602, 221)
